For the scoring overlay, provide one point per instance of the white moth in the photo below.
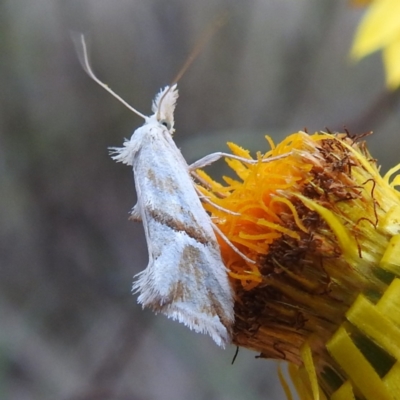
(185, 278)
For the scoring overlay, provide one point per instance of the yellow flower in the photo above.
(380, 30)
(323, 227)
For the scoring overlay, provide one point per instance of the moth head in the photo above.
(164, 106)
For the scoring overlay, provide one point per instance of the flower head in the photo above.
(323, 227)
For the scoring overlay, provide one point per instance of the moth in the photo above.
(185, 278)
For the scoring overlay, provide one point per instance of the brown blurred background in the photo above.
(69, 327)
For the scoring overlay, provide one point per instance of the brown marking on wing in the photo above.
(190, 265)
(225, 319)
(195, 232)
(168, 185)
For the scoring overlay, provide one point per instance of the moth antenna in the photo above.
(81, 48)
(217, 24)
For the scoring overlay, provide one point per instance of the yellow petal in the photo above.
(345, 392)
(390, 260)
(391, 59)
(306, 355)
(346, 241)
(392, 380)
(285, 384)
(380, 26)
(368, 319)
(357, 367)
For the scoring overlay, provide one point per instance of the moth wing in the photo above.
(185, 278)
(182, 281)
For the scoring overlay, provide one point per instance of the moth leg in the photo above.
(229, 243)
(213, 157)
(203, 182)
(204, 198)
(135, 213)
